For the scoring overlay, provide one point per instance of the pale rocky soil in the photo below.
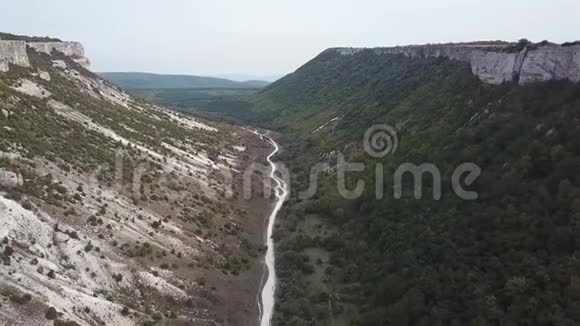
(150, 231)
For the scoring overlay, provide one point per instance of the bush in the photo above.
(125, 311)
(51, 313)
(157, 316)
(21, 299)
(27, 205)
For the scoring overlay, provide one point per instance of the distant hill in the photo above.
(139, 80)
(245, 77)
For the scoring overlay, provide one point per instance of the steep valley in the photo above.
(116, 211)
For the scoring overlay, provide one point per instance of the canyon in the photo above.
(114, 210)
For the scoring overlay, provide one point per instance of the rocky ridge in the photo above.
(496, 63)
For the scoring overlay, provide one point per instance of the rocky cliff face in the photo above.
(74, 50)
(496, 64)
(14, 52)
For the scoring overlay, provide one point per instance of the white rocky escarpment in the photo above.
(13, 52)
(495, 65)
(75, 50)
(551, 62)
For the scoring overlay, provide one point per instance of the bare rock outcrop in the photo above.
(9, 179)
(551, 62)
(75, 50)
(13, 52)
(497, 63)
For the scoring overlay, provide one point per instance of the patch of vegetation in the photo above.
(571, 43)
(51, 313)
(14, 37)
(21, 298)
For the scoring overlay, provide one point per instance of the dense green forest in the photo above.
(508, 258)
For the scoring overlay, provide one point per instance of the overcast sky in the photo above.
(274, 37)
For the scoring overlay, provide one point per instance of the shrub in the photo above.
(21, 299)
(125, 311)
(118, 277)
(27, 205)
(51, 313)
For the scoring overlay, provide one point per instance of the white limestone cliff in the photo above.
(493, 64)
(551, 62)
(74, 50)
(13, 52)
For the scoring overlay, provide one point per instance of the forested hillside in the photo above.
(508, 258)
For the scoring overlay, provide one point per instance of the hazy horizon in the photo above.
(234, 77)
(260, 38)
